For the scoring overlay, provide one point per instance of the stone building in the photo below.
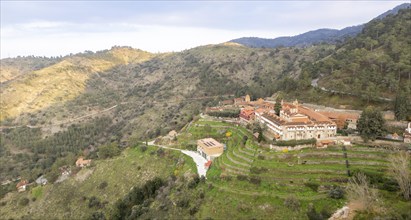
(297, 122)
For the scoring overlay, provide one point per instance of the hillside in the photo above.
(376, 63)
(12, 68)
(247, 181)
(329, 36)
(59, 82)
(141, 100)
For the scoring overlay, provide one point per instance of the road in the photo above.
(314, 83)
(197, 158)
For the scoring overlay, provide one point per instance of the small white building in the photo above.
(209, 148)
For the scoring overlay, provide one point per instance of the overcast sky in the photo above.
(52, 28)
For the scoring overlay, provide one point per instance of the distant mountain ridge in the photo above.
(324, 35)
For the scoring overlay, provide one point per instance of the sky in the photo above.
(54, 28)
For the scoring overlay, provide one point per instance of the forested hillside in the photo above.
(376, 63)
(144, 99)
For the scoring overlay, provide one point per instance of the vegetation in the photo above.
(293, 143)
(371, 124)
(399, 168)
(373, 64)
(227, 114)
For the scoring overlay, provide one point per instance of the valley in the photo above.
(317, 126)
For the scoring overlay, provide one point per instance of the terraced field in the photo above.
(259, 174)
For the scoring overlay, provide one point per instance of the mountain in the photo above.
(375, 63)
(330, 36)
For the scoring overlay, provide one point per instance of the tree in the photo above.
(277, 107)
(399, 169)
(371, 124)
(107, 151)
(401, 105)
(358, 190)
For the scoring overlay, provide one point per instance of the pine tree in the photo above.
(401, 106)
(277, 107)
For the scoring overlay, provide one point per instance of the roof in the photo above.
(342, 115)
(260, 110)
(209, 142)
(22, 183)
(315, 116)
(247, 112)
(208, 163)
(81, 161)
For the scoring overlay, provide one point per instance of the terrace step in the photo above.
(237, 162)
(234, 167)
(246, 152)
(242, 157)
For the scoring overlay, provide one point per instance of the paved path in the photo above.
(197, 158)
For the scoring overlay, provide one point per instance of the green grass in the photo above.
(69, 199)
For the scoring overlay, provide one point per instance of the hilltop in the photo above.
(324, 35)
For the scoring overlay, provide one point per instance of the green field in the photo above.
(71, 198)
(280, 175)
(248, 181)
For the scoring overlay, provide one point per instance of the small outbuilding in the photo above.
(82, 163)
(21, 186)
(209, 148)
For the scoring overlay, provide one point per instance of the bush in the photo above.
(261, 157)
(193, 210)
(242, 177)
(160, 152)
(94, 202)
(143, 148)
(103, 185)
(97, 216)
(336, 193)
(24, 201)
(312, 185)
(225, 114)
(312, 214)
(292, 203)
(258, 170)
(255, 180)
(183, 203)
(293, 143)
(108, 151)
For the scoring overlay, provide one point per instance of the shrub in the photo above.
(97, 216)
(261, 157)
(255, 180)
(103, 185)
(183, 203)
(312, 185)
(24, 201)
(293, 143)
(242, 177)
(94, 202)
(312, 214)
(336, 193)
(143, 148)
(193, 210)
(292, 203)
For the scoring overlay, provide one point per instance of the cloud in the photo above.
(59, 28)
